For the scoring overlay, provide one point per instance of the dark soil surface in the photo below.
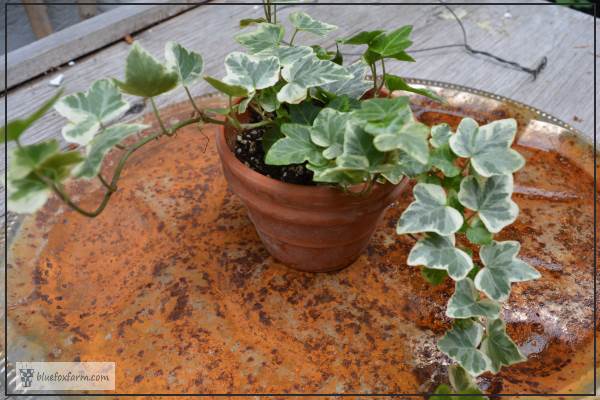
(249, 150)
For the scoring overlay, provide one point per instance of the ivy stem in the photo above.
(293, 37)
(374, 73)
(382, 77)
(413, 237)
(156, 113)
(105, 184)
(189, 95)
(465, 167)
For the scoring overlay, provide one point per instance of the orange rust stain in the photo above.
(172, 283)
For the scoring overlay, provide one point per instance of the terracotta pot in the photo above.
(308, 228)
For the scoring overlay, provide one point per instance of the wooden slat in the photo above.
(86, 9)
(83, 38)
(38, 19)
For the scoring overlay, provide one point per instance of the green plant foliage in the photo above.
(461, 344)
(389, 44)
(354, 87)
(15, 128)
(488, 146)
(286, 55)
(295, 148)
(328, 131)
(88, 111)
(230, 90)
(478, 234)
(465, 302)
(304, 22)
(429, 212)
(308, 72)
(251, 21)
(434, 276)
(364, 37)
(250, 72)
(439, 252)
(265, 36)
(491, 198)
(499, 347)
(100, 146)
(502, 267)
(440, 135)
(145, 76)
(393, 82)
(186, 63)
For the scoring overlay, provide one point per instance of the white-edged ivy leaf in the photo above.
(463, 383)
(100, 146)
(491, 198)
(265, 36)
(188, 64)
(26, 195)
(331, 173)
(440, 135)
(295, 148)
(16, 127)
(389, 44)
(439, 252)
(429, 212)
(250, 72)
(443, 159)
(393, 82)
(409, 136)
(267, 99)
(460, 344)
(308, 72)
(488, 146)
(502, 267)
(145, 76)
(23, 160)
(328, 131)
(364, 37)
(304, 22)
(359, 152)
(229, 90)
(398, 165)
(81, 132)
(380, 109)
(353, 87)
(465, 302)
(499, 347)
(286, 55)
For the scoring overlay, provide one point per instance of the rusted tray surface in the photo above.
(172, 283)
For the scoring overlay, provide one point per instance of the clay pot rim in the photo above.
(324, 192)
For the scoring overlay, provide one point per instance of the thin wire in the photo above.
(534, 72)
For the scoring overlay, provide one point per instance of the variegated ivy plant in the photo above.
(314, 112)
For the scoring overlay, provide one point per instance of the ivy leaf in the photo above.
(16, 127)
(393, 82)
(442, 158)
(250, 72)
(398, 165)
(429, 212)
(440, 135)
(359, 152)
(332, 173)
(303, 113)
(391, 43)
(478, 234)
(463, 383)
(465, 302)
(286, 55)
(251, 21)
(502, 268)
(266, 36)
(25, 159)
(308, 72)
(87, 111)
(101, 144)
(295, 148)
(328, 131)
(229, 90)
(145, 76)
(365, 37)
(58, 166)
(304, 22)
(460, 344)
(344, 103)
(267, 99)
(409, 136)
(26, 195)
(381, 109)
(499, 347)
(438, 252)
(491, 198)
(186, 63)
(434, 276)
(353, 87)
(488, 146)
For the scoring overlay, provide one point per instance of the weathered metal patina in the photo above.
(172, 283)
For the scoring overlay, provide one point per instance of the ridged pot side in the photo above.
(308, 228)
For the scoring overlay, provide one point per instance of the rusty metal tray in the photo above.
(172, 283)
